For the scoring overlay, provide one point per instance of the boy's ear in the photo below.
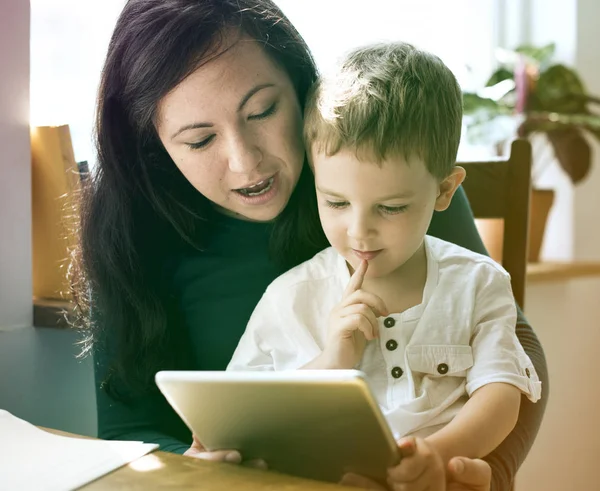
(448, 187)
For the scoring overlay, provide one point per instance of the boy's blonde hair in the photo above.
(384, 100)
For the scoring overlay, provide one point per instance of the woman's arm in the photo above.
(146, 418)
(457, 225)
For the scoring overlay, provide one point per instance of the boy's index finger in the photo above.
(356, 280)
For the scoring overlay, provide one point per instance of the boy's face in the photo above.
(378, 212)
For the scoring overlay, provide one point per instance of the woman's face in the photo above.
(234, 129)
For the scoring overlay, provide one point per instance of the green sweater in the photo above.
(217, 290)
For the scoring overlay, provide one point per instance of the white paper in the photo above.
(33, 459)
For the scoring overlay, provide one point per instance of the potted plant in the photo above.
(529, 94)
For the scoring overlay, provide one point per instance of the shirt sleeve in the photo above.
(498, 356)
(278, 335)
(456, 225)
(252, 352)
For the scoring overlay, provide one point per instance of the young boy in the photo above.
(431, 324)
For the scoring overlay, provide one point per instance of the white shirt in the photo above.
(427, 360)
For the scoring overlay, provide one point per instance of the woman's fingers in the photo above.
(473, 474)
(358, 481)
(231, 456)
(256, 464)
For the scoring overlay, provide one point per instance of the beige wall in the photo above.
(566, 316)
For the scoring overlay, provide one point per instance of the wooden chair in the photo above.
(501, 188)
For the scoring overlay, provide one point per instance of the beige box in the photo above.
(55, 183)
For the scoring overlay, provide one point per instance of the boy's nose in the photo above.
(358, 228)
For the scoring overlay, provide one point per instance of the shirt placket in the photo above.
(394, 334)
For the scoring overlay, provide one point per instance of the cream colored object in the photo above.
(55, 179)
(316, 424)
(31, 458)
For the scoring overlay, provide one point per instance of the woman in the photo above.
(201, 183)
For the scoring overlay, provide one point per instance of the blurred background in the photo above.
(527, 67)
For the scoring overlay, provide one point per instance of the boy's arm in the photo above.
(481, 425)
(457, 225)
(500, 372)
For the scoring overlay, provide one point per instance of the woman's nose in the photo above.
(244, 154)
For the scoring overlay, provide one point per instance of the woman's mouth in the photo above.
(257, 189)
(261, 192)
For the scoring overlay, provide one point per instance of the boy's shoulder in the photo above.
(449, 255)
(322, 266)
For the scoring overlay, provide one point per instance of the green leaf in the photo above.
(572, 151)
(541, 55)
(499, 75)
(473, 103)
(555, 90)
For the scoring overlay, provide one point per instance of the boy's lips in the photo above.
(366, 255)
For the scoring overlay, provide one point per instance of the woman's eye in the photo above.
(265, 114)
(201, 144)
(393, 210)
(336, 204)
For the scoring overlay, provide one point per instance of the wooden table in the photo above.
(162, 470)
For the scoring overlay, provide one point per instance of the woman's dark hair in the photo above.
(138, 208)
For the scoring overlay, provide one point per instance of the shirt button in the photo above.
(391, 345)
(528, 373)
(442, 369)
(397, 372)
(389, 322)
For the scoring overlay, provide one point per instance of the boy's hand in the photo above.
(352, 323)
(198, 451)
(421, 467)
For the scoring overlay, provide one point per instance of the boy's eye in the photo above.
(201, 144)
(336, 204)
(265, 114)
(393, 210)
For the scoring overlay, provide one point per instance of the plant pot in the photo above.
(491, 230)
(539, 208)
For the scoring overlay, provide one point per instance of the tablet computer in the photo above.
(317, 424)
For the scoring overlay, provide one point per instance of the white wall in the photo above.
(587, 201)
(15, 166)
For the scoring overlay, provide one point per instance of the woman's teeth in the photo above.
(260, 188)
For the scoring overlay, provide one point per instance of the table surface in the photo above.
(160, 470)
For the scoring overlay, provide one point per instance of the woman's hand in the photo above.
(421, 467)
(468, 475)
(352, 323)
(463, 474)
(198, 451)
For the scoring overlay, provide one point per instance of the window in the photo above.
(463, 33)
(69, 39)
